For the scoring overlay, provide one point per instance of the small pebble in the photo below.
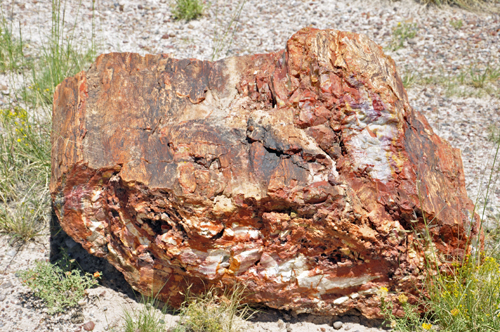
(2, 297)
(89, 326)
(6, 284)
(338, 325)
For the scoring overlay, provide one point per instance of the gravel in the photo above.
(441, 49)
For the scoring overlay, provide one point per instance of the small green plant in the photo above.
(11, 50)
(474, 80)
(214, 312)
(24, 173)
(408, 78)
(459, 296)
(401, 33)
(59, 285)
(466, 299)
(25, 133)
(187, 9)
(58, 60)
(466, 4)
(148, 319)
(457, 24)
(411, 320)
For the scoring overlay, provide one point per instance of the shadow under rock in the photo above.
(268, 315)
(111, 277)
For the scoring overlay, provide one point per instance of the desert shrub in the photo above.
(60, 285)
(187, 9)
(214, 312)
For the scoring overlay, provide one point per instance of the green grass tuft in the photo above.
(214, 312)
(11, 50)
(461, 296)
(187, 9)
(472, 81)
(61, 58)
(401, 33)
(25, 132)
(147, 319)
(24, 173)
(482, 5)
(456, 24)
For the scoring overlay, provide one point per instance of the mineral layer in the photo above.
(303, 175)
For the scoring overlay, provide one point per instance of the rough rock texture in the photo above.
(304, 174)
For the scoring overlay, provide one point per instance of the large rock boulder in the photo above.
(303, 174)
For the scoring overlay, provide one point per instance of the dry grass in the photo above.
(214, 312)
(474, 5)
(25, 131)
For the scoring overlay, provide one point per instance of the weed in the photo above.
(222, 41)
(474, 80)
(408, 78)
(466, 4)
(25, 135)
(457, 24)
(24, 173)
(11, 50)
(60, 59)
(402, 33)
(464, 298)
(411, 320)
(148, 319)
(214, 312)
(187, 9)
(57, 284)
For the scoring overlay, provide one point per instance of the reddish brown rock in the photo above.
(300, 174)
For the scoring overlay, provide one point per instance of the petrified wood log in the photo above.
(303, 174)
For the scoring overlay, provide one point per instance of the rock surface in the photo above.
(300, 174)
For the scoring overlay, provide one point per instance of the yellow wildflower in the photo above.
(403, 298)
(382, 292)
(426, 326)
(454, 312)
